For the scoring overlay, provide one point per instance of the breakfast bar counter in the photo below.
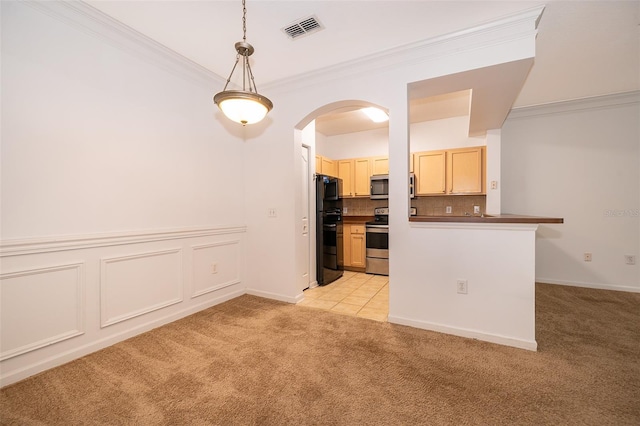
(500, 218)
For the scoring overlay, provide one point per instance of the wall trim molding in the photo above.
(80, 321)
(594, 102)
(105, 319)
(20, 247)
(596, 286)
(275, 296)
(233, 281)
(530, 345)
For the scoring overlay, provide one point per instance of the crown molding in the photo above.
(514, 27)
(95, 23)
(593, 102)
(84, 17)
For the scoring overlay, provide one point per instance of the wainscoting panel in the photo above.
(215, 266)
(137, 284)
(63, 297)
(39, 307)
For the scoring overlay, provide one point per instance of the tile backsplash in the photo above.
(425, 206)
(361, 206)
(460, 205)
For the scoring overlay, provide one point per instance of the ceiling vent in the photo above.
(303, 27)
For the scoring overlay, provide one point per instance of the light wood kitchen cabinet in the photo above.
(355, 247)
(380, 165)
(326, 166)
(456, 171)
(362, 177)
(347, 174)
(465, 171)
(430, 170)
(354, 172)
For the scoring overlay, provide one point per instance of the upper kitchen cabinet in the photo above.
(457, 171)
(380, 165)
(347, 174)
(355, 174)
(430, 169)
(362, 175)
(326, 166)
(465, 171)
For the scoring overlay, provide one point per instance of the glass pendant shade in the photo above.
(243, 107)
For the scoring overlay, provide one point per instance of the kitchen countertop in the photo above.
(356, 219)
(499, 218)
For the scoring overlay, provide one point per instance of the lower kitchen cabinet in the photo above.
(355, 247)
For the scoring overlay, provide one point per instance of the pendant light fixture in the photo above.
(244, 106)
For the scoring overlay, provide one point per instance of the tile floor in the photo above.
(355, 294)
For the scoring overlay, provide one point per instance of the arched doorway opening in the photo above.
(334, 140)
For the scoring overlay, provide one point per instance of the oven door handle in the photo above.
(378, 229)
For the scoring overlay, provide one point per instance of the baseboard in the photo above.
(530, 345)
(97, 345)
(275, 296)
(598, 286)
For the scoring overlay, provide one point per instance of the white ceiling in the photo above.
(584, 48)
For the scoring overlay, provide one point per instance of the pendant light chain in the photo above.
(244, 38)
(244, 106)
(244, 21)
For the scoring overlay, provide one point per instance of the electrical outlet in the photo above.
(448, 209)
(272, 212)
(629, 259)
(587, 257)
(345, 210)
(461, 286)
(476, 209)
(494, 184)
(214, 268)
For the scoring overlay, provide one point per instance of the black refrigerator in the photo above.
(329, 253)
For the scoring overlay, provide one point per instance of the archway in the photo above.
(306, 140)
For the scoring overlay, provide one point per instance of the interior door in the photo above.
(306, 210)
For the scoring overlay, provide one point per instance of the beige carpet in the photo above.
(256, 361)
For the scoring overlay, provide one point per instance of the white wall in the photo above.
(579, 160)
(371, 143)
(97, 140)
(120, 188)
(447, 133)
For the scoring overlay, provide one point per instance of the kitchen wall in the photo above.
(371, 143)
(448, 133)
(122, 191)
(579, 160)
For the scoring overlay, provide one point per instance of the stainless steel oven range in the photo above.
(377, 241)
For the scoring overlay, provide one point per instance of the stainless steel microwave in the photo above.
(379, 189)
